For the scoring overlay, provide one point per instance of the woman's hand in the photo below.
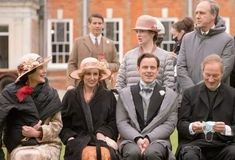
(38, 125)
(100, 136)
(30, 132)
(173, 54)
(34, 131)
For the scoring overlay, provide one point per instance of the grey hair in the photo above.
(213, 58)
(214, 7)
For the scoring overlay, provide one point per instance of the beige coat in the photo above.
(50, 146)
(83, 48)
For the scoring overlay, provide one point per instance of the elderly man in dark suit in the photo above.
(206, 120)
(146, 115)
(93, 45)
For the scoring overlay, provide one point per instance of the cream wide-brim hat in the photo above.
(28, 63)
(91, 63)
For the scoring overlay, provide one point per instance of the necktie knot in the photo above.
(96, 41)
(147, 90)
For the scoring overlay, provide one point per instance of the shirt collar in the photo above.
(94, 37)
(147, 85)
(205, 33)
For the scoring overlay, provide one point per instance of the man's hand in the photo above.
(197, 127)
(219, 127)
(146, 143)
(141, 144)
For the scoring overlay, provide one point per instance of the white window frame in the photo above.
(227, 24)
(50, 21)
(8, 35)
(120, 37)
(172, 19)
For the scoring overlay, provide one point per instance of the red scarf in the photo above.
(23, 92)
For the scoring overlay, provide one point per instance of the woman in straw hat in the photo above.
(30, 110)
(146, 32)
(89, 115)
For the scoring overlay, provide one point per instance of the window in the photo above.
(227, 24)
(168, 42)
(4, 37)
(113, 30)
(60, 41)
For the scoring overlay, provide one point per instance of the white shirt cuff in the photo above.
(191, 129)
(228, 131)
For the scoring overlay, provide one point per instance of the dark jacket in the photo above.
(195, 107)
(232, 76)
(102, 106)
(43, 103)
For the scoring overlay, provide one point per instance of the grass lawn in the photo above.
(174, 140)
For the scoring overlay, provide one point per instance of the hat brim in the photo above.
(45, 60)
(77, 74)
(146, 29)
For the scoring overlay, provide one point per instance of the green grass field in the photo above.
(174, 140)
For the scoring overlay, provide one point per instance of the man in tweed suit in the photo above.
(92, 45)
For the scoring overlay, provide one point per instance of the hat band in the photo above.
(91, 64)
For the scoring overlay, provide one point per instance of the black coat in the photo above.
(41, 104)
(102, 106)
(195, 107)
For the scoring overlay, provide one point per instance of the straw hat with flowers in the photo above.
(28, 63)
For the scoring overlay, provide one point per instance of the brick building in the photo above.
(49, 27)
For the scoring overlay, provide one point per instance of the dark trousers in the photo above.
(1, 154)
(208, 153)
(155, 151)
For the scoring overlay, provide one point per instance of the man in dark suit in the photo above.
(146, 115)
(206, 119)
(93, 45)
(232, 76)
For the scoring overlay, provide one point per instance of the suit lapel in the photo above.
(155, 103)
(203, 95)
(105, 43)
(219, 96)
(137, 101)
(88, 43)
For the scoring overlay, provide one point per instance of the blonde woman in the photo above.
(88, 114)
